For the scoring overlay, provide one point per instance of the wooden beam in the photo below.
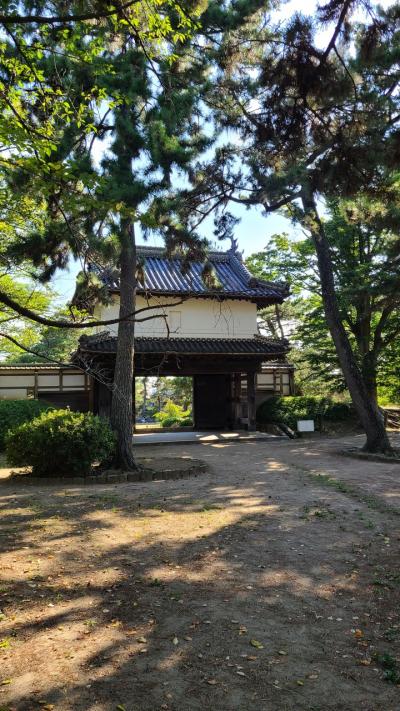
(194, 365)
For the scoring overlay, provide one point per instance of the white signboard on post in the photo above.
(305, 425)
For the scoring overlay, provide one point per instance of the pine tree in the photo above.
(314, 124)
(138, 92)
(363, 237)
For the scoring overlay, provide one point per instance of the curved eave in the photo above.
(221, 347)
(260, 300)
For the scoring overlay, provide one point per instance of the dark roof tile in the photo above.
(103, 343)
(164, 275)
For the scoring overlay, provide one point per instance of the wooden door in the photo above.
(211, 402)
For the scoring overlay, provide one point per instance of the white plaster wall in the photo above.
(74, 381)
(202, 318)
(8, 381)
(48, 381)
(13, 394)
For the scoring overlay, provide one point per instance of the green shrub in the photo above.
(15, 412)
(338, 411)
(171, 410)
(187, 422)
(170, 421)
(290, 409)
(60, 443)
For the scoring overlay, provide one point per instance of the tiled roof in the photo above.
(35, 367)
(164, 275)
(188, 346)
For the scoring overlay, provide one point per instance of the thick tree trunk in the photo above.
(122, 401)
(366, 408)
(368, 369)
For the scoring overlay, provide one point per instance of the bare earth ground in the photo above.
(262, 585)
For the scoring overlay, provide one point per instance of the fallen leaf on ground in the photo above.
(255, 643)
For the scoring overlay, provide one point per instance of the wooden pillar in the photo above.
(103, 398)
(291, 383)
(237, 397)
(134, 403)
(251, 401)
(91, 402)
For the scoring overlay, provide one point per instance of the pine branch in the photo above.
(339, 25)
(62, 19)
(61, 323)
(35, 353)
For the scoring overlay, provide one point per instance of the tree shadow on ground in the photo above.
(251, 588)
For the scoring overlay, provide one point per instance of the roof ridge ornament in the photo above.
(234, 249)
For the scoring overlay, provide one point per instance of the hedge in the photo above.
(177, 422)
(15, 412)
(290, 409)
(60, 443)
(170, 421)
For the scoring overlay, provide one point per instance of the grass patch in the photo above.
(372, 502)
(390, 667)
(391, 634)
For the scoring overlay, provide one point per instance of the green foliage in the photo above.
(363, 244)
(177, 422)
(285, 102)
(51, 343)
(15, 412)
(338, 411)
(290, 409)
(152, 393)
(172, 414)
(179, 389)
(60, 443)
(170, 422)
(171, 409)
(95, 118)
(389, 665)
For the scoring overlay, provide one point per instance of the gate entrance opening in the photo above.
(163, 402)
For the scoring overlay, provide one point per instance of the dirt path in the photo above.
(255, 587)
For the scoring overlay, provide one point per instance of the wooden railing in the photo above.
(392, 417)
